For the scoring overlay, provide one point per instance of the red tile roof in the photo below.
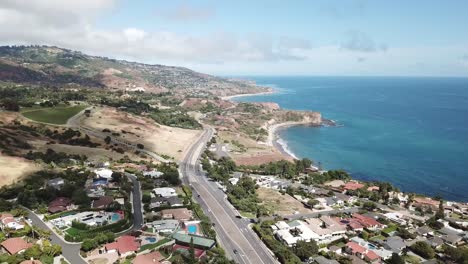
(15, 245)
(124, 244)
(103, 202)
(31, 262)
(353, 186)
(150, 258)
(355, 247)
(371, 255)
(59, 204)
(366, 221)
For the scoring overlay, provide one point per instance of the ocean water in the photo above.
(412, 132)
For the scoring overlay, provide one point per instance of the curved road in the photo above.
(233, 233)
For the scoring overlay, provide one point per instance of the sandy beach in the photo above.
(275, 141)
(247, 94)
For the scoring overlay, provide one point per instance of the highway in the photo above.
(233, 233)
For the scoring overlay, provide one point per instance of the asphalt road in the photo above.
(137, 204)
(233, 233)
(71, 251)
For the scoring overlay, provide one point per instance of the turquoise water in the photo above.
(192, 229)
(115, 217)
(412, 132)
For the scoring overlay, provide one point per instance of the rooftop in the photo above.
(197, 240)
(15, 245)
(124, 244)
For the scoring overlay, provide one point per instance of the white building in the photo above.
(322, 230)
(164, 192)
(104, 173)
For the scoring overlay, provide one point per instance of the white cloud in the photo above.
(70, 24)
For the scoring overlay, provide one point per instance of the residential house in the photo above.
(95, 191)
(373, 188)
(151, 258)
(352, 186)
(424, 231)
(60, 204)
(435, 242)
(425, 202)
(323, 260)
(395, 244)
(164, 226)
(165, 201)
(367, 222)
(8, 221)
(198, 241)
(361, 252)
(343, 198)
(181, 214)
(103, 173)
(396, 218)
(452, 240)
(56, 183)
(15, 245)
(153, 174)
(164, 192)
(31, 261)
(124, 245)
(322, 230)
(103, 202)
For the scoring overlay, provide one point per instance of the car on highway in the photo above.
(235, 251)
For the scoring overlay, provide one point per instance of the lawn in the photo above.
(390, 228)
(54, 115)
(154, 245)
(248, 215)
(73, 231)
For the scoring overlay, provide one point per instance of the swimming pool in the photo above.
(192, 229)
(151, 239)
(371, 246)
(115, 217)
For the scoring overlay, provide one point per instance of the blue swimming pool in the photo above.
(151, 239)
(192, 229)
(115, 217)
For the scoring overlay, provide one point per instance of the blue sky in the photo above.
(335, 37)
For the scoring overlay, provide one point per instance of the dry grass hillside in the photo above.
(164, 140)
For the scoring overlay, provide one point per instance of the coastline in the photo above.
(279, 143)
(274, 140)
(228, 98)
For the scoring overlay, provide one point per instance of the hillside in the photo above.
(57, 67)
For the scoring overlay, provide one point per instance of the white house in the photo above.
(8, 221)
(103, 173)
(164, 192)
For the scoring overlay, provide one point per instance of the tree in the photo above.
(88, 244)
(396, 259)
(80, 197)
(10, 105)
(33, 252)
(369, 206)
(116, 177)
(108, 140)
(312, 202)
(423, 249)
(304, 250)
(140, 146)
